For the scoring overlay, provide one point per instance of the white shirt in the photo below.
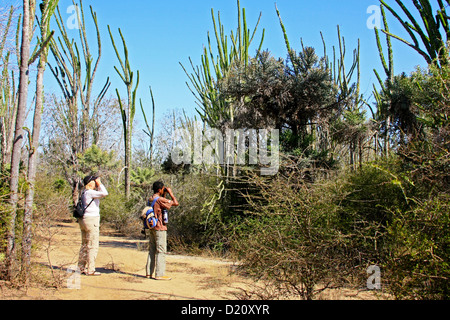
(93, 210)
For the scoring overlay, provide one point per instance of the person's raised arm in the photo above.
(174, 200)
(101, 190)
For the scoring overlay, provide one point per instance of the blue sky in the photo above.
(162, 34)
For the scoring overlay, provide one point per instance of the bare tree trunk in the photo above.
(351, 156)
(27, 25)
(360, 146)
(32, 163)
(386, 137)
(128, 147)
(76, 190)
(8, 99)
(7, 130)
(152, 139)
(47, 9)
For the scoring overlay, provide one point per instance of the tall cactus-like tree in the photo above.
(430, 38)
(47, 8)
(382, 116)
(429, 33)
(355, 128)
(348, 124)
(75, 72)
(215, 66)
(128, 111)
(8, 93)
(29, 8)
(150, 132)
(77, 86)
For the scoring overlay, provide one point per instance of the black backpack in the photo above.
(80, 208)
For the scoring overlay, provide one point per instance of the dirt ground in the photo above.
(122, 263)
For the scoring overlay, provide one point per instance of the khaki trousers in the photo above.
(156, 261)
(90, 232)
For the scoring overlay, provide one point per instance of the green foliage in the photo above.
(371, 192)
(426, 155)
(60, 184)
(351, 127)
(366, 198)
(4, 209)
(52, 198)
(116, 209)
(430, 39)
(95, 160)
(198, 221)
(291, 238)
(129, 111)
(421, 249)
(142, 176)
(214, 110)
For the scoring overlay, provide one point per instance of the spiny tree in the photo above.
(231, 50)
(8, 91)
(321, 99)
(47, 8)
(150, 132)
(382, 116)
(430, 38)
(215, 66)
(29, 8)
(77, 85)
(128, 111)
(8, 105)
(95, 161)
(350, 128)
(143, 176)
(262, 87)
(303, 97)
(395, 117)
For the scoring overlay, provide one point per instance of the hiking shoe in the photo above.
(163, 278)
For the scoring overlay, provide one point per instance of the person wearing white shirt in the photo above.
(90, 225)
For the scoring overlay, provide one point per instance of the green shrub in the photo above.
(115, 209)
(291, 237)
(196, 222)
(366, 198)
(4, 194)
(419, 268)
(301, 237)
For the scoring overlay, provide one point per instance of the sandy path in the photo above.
(123, 272)
(122, 265)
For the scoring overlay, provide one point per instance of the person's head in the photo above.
(158, 187)
(89, 182)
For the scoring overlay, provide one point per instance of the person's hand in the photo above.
(98, 182)
(175, 202)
